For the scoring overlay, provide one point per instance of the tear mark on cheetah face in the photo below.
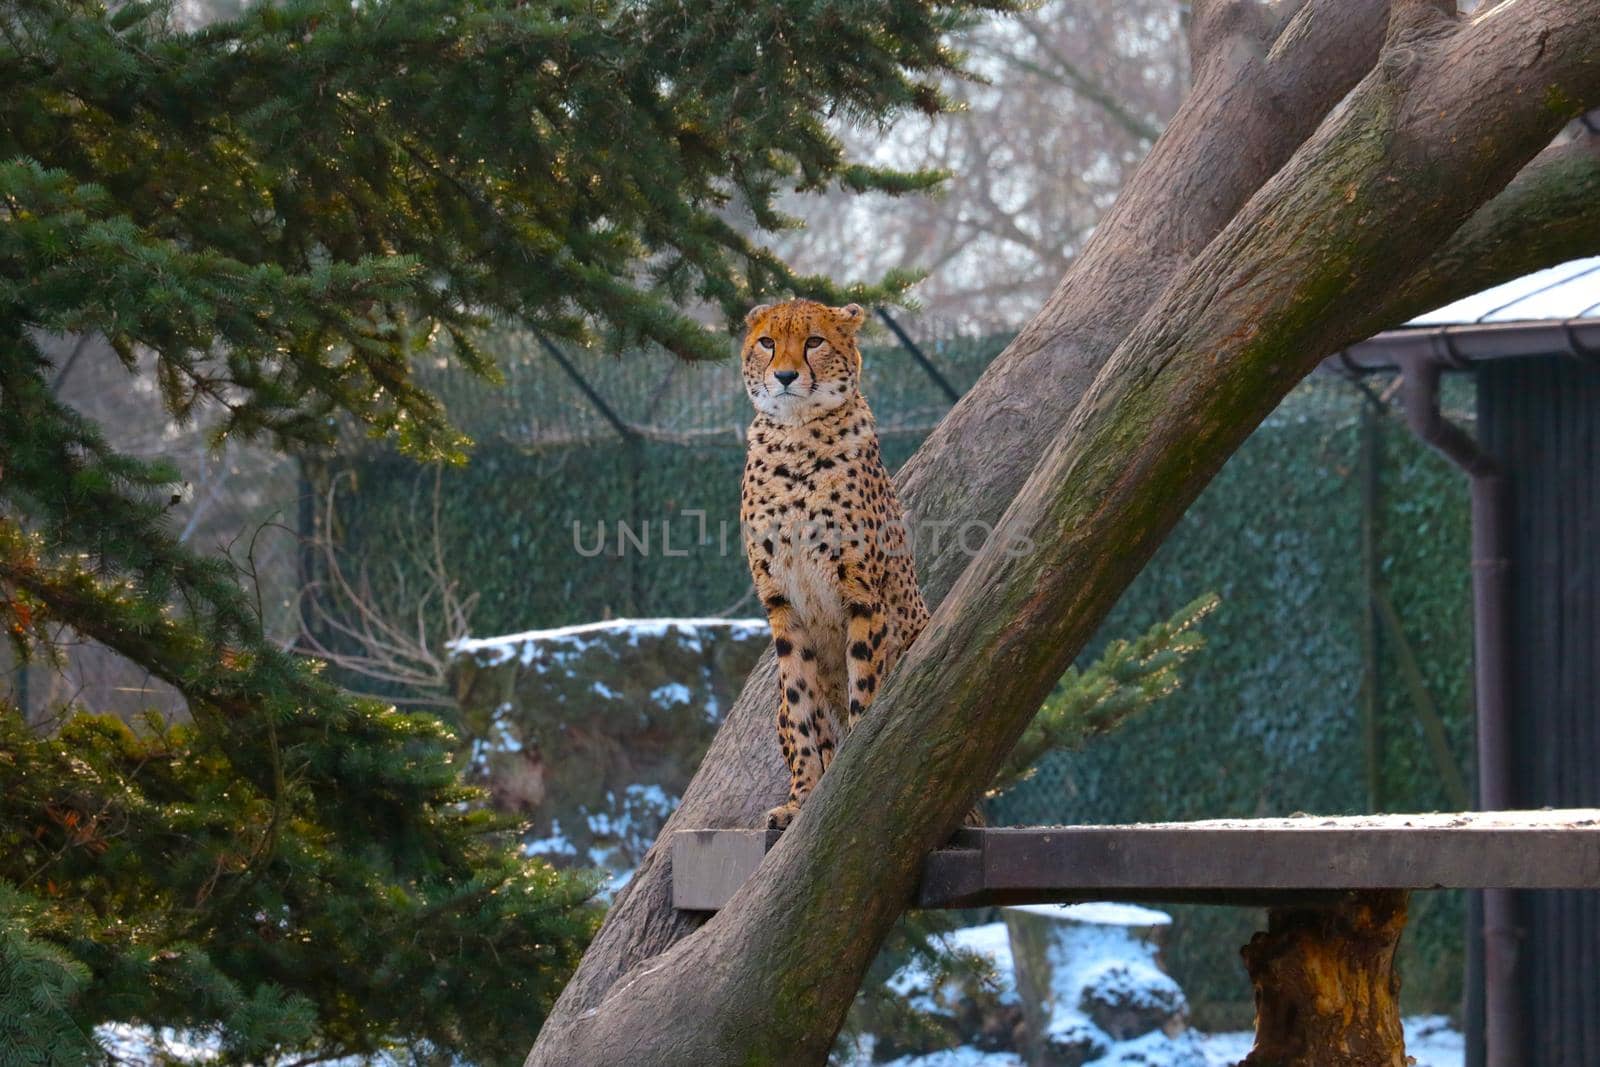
(801, 360)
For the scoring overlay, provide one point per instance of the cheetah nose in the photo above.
(785, 376)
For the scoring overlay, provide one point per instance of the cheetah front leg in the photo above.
(866, 650)
(805, 731)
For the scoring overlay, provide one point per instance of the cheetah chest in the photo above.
(805, 573)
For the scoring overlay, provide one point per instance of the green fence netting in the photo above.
(1298, 703)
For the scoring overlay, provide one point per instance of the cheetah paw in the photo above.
(781, 816)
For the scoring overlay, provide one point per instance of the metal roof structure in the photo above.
(1549, 312)
(1569, 291)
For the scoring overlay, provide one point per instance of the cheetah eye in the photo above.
(813, 341)
(765, 342)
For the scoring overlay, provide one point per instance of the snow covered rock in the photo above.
(1084, 958)
(593, 731)
(1130, 999)
(1071, 1040)
(975, 1004)
(1092, 986)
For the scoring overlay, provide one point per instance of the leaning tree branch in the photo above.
(1458, 109)
(1550, 213)
(1253, 103)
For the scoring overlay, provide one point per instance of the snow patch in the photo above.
(1431, 1041)
(672, 693)
(555, 843)
(563, 643)
(965, 1056)
(1099, 912)
(1156, 1049)
(989, 942)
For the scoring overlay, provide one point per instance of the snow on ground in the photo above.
(965, 1056)
(1430, 1042)
(1102, 951)
(1433, 1042)
(1225, 1050)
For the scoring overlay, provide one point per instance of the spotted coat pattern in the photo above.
(824, 533)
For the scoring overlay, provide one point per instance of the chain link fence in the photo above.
(561, 394)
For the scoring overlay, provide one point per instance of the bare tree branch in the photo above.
(343, 621)
(1065, 72)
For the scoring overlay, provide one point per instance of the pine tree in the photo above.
(275, 215)
(1128, 677)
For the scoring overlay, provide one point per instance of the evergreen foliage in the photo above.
(274, 215)
(1128, 677)
(144, 876)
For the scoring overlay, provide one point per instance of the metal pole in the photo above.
(583, 385)
(1369, 621)
(921, 357)
(1491, 600)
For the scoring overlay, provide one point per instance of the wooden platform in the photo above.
(1290, 861)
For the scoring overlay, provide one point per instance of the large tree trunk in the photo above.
(1313, 261)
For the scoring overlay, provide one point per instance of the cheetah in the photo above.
(824, 533)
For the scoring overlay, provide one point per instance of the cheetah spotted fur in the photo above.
(824, 533)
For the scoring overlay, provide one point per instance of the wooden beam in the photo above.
(1302, 861)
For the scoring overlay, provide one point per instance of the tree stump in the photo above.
(1327, 993)
(1091, 975)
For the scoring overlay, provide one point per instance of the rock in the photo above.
(1071, 1042)
(592, 732)
(1089, 977)
(1127, 1000)
(1157, 1049)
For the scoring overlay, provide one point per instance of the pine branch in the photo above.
(334, 184)
(1128, 677)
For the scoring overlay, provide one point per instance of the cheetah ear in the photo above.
(851, 316)
(755, 313)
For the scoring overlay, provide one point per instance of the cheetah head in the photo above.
(801, 359)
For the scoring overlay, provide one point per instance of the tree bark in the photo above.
(1327, 992)
(1243, 118)
(1246, 319)
(1550, 213)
